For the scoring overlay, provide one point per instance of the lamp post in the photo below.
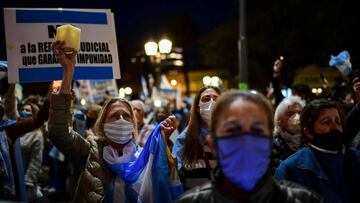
(156, 51)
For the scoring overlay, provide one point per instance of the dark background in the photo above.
(303, 31)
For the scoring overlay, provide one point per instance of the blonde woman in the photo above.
(108, 160)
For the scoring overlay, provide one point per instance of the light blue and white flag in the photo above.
(342, 62)
(151, 177)
(145, 91)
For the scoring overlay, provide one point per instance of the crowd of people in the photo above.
(229, 146)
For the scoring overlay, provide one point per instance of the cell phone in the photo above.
(356, 73)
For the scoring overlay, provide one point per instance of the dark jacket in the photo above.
(304, 168)
(272, 191)
(351, 125)
(280, 151)
(85, 154)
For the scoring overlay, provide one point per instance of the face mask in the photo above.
(25, 114)
(244, 158)
(119, 131)
(147, 108)
(332, 141)
(205, 111)
(294, 124)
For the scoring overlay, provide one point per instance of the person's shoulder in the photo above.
(293, 192)
(200, 193)
(294, 158)
(354, 155)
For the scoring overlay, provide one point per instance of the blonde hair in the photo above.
(99, 129)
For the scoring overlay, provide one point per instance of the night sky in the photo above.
(139, 20)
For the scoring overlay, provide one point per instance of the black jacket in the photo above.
(272, 191)
(280, 151)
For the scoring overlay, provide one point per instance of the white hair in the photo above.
(282, 108)
(137, 101)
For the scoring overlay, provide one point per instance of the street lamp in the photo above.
(156, 52)
(165, 46)
(151, 48)
(213, 81)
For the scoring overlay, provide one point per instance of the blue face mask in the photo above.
(244, 158)
(25, 114)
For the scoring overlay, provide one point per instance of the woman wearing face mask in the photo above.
(191, 148)
(32, 145)
(326, 165)
(241, 137)
(287, 134)
(112, 171)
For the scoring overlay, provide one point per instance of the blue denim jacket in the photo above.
(178, 148)
(303, 168)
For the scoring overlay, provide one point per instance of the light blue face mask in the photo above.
(244, 158)
(25, 114)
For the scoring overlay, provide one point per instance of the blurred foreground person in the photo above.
(326, 165)
(112, 171)
(191, 149)
(241, 136)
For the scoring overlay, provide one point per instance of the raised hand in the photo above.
(168, 126)
(278, 64)
(67, 59)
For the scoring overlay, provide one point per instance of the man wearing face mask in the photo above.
(326, 165)
(287, 133)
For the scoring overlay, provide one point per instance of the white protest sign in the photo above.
(95, 91)
(30, 33)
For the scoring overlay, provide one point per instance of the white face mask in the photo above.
(119, 131)
(294, 124)
(205, 111)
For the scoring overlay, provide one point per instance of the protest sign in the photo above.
(95, 91)
(30, 33)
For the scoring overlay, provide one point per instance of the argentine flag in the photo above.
(152, 177)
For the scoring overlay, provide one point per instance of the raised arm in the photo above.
(11, 103)
(29, 124)
(70, 143)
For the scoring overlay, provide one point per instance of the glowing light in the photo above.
(128, 90)
(178, 63)
(157, 103)
(151, 48)
(173, 82)
(319, 90)
(122, 93)
(207, 80)
(83, 102)
(165, 46)
(215, 81)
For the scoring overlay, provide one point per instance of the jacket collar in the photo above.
(262, 193)
(307, 161)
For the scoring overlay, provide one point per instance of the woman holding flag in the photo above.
(113, 169)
